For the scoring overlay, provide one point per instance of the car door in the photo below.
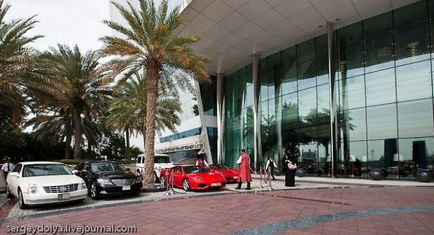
(177, 176)
(14, 178)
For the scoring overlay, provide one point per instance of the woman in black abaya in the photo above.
(289, 173)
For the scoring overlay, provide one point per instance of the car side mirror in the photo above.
(76, 172)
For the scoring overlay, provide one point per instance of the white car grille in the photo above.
(122, 182)
(61, 188)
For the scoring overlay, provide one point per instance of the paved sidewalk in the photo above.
(357, 210)
(315, 206)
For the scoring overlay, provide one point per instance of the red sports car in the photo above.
(191, 177)
(230, 174)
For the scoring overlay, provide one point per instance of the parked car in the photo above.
(231, 174)
(161, 161)
(191, 177)
(105, 178)
(37, 183)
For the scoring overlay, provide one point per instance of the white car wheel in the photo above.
(21, 202)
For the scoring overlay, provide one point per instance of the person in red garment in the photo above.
(245, 176)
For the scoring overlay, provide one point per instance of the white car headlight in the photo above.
(104, 181)
(82, 185)
(33, 189)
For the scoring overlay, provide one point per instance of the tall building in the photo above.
(337, 83)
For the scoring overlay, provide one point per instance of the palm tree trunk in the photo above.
(127, 142)
(68, 141)
(151, 104)
(77, 135)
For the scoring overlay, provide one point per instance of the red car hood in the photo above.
(209, 177)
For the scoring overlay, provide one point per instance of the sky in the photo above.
(68, 22)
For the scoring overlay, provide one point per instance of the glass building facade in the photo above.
(383, 91)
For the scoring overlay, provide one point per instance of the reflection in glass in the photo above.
(381, 154)
(414, 81)
(323, 100)
(354, 124)
(411, 30)
(416, 153)
(415, 118)
(307, 103)
(380, 87)
(289, 82)
(306, 75)
(353, 161)
(353, 92)
(378, 42)
(382, 122)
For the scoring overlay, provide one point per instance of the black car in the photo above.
(105, 178)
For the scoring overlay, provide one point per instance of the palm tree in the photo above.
(127, 111)
(148, 43)
(16, 57)
(73, 85)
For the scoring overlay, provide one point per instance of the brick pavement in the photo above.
(344, 209)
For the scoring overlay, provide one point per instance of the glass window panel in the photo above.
(263, 113)
(346, 161)
(307, 103)
(414, 81)
(306, 51)
(411, 33)
(289, 82)
(273, 70)
(358, 152)
(289, 108)
(415, 118)
(288, 73)
(350, 43)
(272, 110)
(306, 75)
(354, 124)
(353, 92)
(380, 87)
(241, 94)
(308, 154)
(321, 57)
(323, 100)
(249, 95)
(382, 122)
(416, 153)
(249, 74)
(378, 42)
(381, 154)
(263, 76)
(351, 62)
(350, 35)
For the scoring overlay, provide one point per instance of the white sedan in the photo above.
(36, 183)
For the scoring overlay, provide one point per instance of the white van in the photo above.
(161, 161)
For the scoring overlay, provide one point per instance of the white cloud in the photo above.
(64, 21)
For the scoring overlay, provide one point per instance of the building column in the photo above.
(257, 151)
(332, 101)
(220, 149)
(204, 132)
